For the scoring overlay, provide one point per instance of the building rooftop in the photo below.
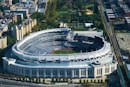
(125, 8)
(3, 23)
(41, 10)
(127, 62)
(127, 19)
(88, 24)
(111, 16)
(90, 33)
(21, 9)
(43, 1)
(128, 66)
(109, 11)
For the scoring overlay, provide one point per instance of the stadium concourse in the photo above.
(33, 55)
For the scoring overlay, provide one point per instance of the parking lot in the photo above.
(124, 41)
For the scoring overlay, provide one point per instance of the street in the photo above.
(12, 83)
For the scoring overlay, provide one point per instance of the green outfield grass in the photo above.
(65, 52)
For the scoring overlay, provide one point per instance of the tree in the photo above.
(15, 1)
(38, 16)
(1, 8)
(11, 24)
(51, 13)
(96, 8)
(66, 18)
(10, 40)
(61, 3)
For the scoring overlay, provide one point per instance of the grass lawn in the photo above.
(64, 52)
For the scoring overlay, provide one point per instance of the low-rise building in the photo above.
(32, 8)
(42, 6)
(88, 25)
(110, 14)
(127, 22)
(126, 9)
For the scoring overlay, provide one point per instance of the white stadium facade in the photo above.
(33, 57)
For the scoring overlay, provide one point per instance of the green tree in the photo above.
(1, 8)
(11, 24)
(61, 3)
(2, 52)
(10, 40)
(66, 18)
(51, 13)
(38, 16)
(96, 8)
(15, 1)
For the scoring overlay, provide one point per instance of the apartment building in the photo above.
(23, 29)
(22, 11)
(3, 42)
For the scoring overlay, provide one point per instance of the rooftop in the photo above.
(90, 33)
(4, 22)
(111, 16)
(128, 66)
(127, 62)
(125, 8)
(127, 19)
(21, 9)
(109, 11)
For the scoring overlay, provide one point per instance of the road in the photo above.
(110, 31)
(12, 83)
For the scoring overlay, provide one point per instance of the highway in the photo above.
(110, 31)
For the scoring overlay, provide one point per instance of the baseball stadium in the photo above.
(61, 53)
